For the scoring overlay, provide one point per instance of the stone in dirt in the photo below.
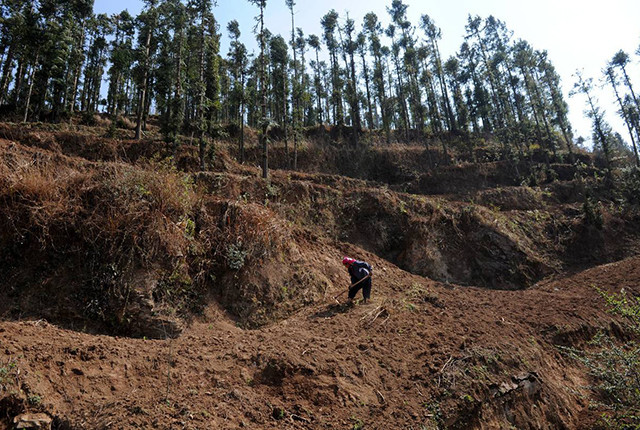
(33, 421)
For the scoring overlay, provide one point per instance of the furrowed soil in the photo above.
(140, 295)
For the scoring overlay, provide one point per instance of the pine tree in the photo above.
(280, 83)
(601, 130)
(329, 24)
(434, 34)
(205, 40)
(361, 42)
(621, 60)
(99, 28)
(121, 61)
(238, 60)
(373, 31)
(410, 66)
(624, 112)
(147, 22)
(400, 86)
(263, 87)
(552, 81)
(349, 48)
(314, 43)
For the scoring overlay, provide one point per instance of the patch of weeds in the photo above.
(615, 366)
(495, 208)
(358, 424)
(8, 376)
(178, 290)
(278, 413)
(593, 213)
(435, 413)
(189, 226)
(410, 307)
(403, 207)
(236, 256)
(34, 400)
(467, 398)
(272, 191)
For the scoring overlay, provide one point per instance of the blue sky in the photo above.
(577, 34)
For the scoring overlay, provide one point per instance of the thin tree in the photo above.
(295, 91)
(621, 60)
(361, 41)
(147, 29)
(373, 30)
(329, 24)
(601, 129)
(314, 42)
(624, 112)
(263, 87)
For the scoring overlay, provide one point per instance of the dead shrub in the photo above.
(125, 123)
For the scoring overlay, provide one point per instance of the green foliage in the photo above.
(592, 210)
(629, 185)
(357, 424)
(236, 256)
(178, 290)
(8, 376)
(34, 400)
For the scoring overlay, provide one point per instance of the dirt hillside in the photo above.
(141, 295)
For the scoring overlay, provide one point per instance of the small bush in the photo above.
(125, 123)
(629, 185)
(593, 212)
(88, 119)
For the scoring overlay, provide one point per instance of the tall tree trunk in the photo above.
(263, 108)
(295, 92)
(317, 82)
(543, 111)
(31, 81)
(285, 105)
(19, 80)
(202, 89)
(401, 100)
(6, 74)
(366, 84)
(242, 118)
(382, 98)
(633, 94)
(143, 90)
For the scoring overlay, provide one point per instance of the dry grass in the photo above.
(111, 206)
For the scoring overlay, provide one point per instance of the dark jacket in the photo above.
(359, 270)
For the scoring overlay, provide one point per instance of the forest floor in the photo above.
(480, 347)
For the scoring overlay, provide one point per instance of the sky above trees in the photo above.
(577, 34)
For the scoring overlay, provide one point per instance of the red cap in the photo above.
(348, 261)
